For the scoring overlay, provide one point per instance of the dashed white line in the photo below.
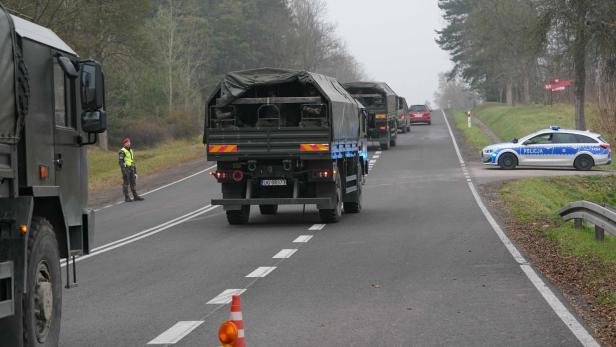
(225, 297)
(303, 239)
(378, 152)
(261, 271)
(284, 254)
(177, 332)
(557, 306)
(317, 227)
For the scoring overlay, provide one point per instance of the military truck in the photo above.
(403, 115)
(285, 137)
(381, 102)
(51, 107)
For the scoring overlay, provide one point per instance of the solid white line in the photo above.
(180, 180)
(143, 234)
(284, 254)
(557, 306)
(261, 271)
(317, 227)
(302, 239)
(225, 297)
(174, 334)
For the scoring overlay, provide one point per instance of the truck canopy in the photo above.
(375, 96)
(8, 118)
(280, 98)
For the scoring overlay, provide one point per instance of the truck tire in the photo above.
(268, 209)
(239, 217)
(583, 163)
(333, 215)
(43, 299)
(385, 145)
(404, 129)
(392, 142)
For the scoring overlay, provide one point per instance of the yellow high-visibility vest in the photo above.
(129, 158)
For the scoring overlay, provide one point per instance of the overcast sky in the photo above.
(394, 41)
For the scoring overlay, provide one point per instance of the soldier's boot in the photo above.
(126, 196)
(136, 196)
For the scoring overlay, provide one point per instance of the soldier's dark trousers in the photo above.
(129, 179)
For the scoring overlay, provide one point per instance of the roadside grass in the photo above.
(534, 202)
(104, 171)
(475, 137)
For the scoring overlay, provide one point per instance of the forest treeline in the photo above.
(163, 57)
(507, 50)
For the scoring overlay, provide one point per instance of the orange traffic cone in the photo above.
(238, 320)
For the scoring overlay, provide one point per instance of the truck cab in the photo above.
(52, 106)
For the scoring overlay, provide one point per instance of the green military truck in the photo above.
(404, 120)
(381, 102)
(51, 106)
(285, 137)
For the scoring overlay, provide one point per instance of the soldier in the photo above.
(129, 171)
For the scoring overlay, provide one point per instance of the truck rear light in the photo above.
(221, 175)
(605, 145)
(238, 176)
(383, 128)
(314, 147)
(322, 174)
(381, 116)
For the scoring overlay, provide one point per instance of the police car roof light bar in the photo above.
(555, 127)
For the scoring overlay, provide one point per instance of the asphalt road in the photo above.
(420, 265)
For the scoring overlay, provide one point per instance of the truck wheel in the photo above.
(508, 161)
(268, 209)
(408, 128)
(333, 215)
(43, 299)
(239, 217)
(385, 145)
(404, 129)
(583, 163)
(392, 142)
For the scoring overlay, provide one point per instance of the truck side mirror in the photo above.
(92, 86)
(94, 122)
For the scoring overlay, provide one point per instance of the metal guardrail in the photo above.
(602, 217)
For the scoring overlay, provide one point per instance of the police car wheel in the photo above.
(508, 161)
(583, 163)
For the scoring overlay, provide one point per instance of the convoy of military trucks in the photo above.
(279, 137)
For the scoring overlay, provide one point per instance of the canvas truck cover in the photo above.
(8, 111)
(344, 109)
(376, 85)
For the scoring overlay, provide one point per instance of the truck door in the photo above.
(67, 151)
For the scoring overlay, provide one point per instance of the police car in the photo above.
(551, 147)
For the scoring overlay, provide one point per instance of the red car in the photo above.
(420, 114)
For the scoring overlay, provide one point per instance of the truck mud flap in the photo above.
(7, 279)
(236, 204)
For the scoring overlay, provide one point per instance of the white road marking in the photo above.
(225, 297)
(161, 187)
(284, 254)
(557, 306)
(378, 152)
(143, 234)
(317, 227)
(177, 332)
(261, 271)
(303, 239)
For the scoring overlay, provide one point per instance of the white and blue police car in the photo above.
(551, 147)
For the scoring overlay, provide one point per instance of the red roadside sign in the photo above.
(558, 85)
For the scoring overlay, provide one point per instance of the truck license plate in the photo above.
(273, 183)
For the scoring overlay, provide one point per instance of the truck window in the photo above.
(62, 105)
